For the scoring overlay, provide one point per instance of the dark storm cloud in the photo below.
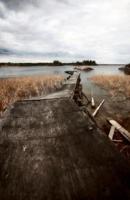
(4, 52)
(17, 4)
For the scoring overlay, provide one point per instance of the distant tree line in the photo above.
(54, 63)
(86, 62)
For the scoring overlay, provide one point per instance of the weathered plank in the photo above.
(111, 133)
(97, 109)
(121, 129)
(60, 94)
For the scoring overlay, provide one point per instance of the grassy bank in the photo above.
(116, 107)
(115, 84)
(14, 89)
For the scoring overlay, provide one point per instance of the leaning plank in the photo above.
(56, 95)
(97, 109)
(121, 129)
(111, 133)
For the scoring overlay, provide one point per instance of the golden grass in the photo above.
(14, 89)
(114, 83)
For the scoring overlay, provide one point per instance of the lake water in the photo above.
(6, 72)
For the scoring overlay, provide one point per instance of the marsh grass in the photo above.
(14, 89)
(114, 84)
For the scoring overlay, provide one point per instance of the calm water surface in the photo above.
(6, 72)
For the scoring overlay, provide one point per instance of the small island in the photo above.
(84, 68)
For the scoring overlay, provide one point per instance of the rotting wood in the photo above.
(111, 133)
(121, 129)
(97, 109)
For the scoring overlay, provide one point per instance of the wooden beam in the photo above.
(121, 129)
(111, 133)
(97, 109)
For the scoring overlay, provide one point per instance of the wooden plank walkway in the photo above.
(51, 150)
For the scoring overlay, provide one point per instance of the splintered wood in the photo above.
(120, 128)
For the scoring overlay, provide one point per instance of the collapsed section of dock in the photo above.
(50, 149)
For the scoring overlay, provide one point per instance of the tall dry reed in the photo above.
(14, 89)
(114, 83)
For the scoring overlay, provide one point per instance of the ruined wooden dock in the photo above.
(50, 149)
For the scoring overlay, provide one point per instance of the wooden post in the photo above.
(92, 102)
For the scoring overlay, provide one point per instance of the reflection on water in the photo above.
(39, 70)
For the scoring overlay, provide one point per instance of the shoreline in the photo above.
(51, 65)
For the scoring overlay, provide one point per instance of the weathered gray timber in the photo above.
(51, 150)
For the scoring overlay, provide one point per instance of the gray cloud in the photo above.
(4, 52)
(18, 4)
(65, 29)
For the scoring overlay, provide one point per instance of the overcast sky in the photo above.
(43, 30)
